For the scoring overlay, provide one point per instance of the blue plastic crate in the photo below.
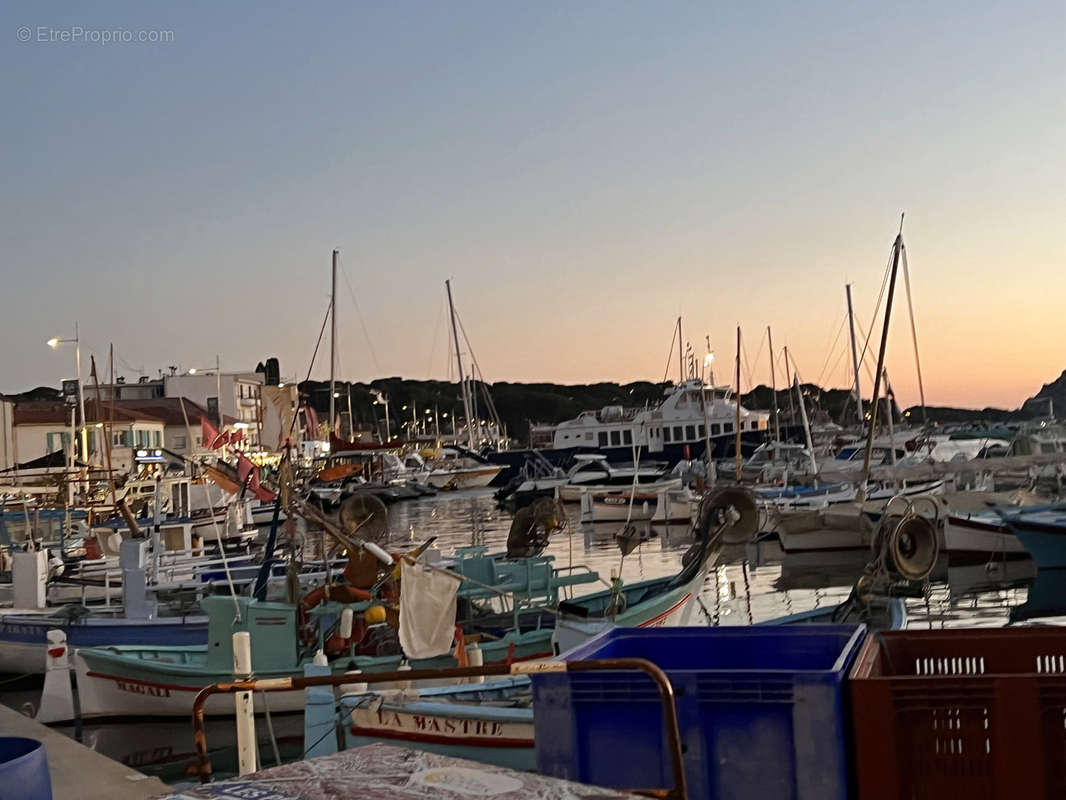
(761, 712)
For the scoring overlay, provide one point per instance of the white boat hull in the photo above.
(466, 478)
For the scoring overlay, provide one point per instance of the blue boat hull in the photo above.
(23, 638)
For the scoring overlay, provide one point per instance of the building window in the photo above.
(666, 435)
(715, 429)
(179, 442)
(58, 441)
(690, 433)
(627, 436)
(677, 434)
(157, 439)
(727, 427)
(603, 438)
(616, 438)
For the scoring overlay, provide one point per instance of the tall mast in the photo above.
(896, 247)
(459, 362)
(737, 401)
(803, 414)
(788, 381)
(773, 387)
(680, 354)
(854, 358)
(333, 345)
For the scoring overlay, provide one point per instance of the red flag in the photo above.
(245, 467)
(209, 435)
(236, 437)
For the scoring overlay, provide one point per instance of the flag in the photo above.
(209, 434)
(236, 437)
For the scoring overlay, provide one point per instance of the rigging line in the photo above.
(433, 346)
(311, 366)
(747, 365)
(670, 355)
(362, 322)
(832, 347)
(914, 332)
(477, 371)
(214, 520)
(877, 307)
(755, 363)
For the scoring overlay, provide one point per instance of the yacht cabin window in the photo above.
(727, 427)
(616, 438)
(690, 433)
(627, 436)
(715, 429)
(677, 434)
(603, 438)
(666, 434)
(703, 431)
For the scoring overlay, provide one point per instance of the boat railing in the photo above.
(295, 683)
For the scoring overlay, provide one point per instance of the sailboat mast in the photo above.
(459, 363)
(896, 247)
(773, 387)
(332, 345)
(737, 402)
(680, 354)
(803, 414)
(854, 357)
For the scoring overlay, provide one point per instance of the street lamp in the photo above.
(54, 343)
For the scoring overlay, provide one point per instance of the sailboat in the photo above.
(456, 468)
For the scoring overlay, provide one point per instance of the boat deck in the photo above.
(384, 772)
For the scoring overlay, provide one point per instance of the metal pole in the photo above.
(803, 415)
(896, 246)
(459, 362)
(218, 391)
(680, 354)
(333, 342)
(737, 399)
(855, 359)
(773, 387)
(81, 395)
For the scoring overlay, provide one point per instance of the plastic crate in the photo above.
(760, 711)
(964, 713)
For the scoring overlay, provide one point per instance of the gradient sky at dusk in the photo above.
(583, 171)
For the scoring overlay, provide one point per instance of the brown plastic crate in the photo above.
(962, 714)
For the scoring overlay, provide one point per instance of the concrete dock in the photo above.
(77, 772)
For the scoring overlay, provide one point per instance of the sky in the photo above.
(583, 171)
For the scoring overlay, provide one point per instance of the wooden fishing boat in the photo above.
(135, 680)
(492, 722)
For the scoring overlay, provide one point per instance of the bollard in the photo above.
(245, 710)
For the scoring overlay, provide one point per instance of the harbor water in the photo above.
(747, 585)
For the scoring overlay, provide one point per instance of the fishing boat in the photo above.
(1041, 531)
(492, 722)
(162, 680)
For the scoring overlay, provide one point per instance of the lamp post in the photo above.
(54, 342)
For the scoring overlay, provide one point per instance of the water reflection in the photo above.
(746, 584)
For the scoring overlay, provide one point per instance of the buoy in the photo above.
(347, 617)
(375, 615)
